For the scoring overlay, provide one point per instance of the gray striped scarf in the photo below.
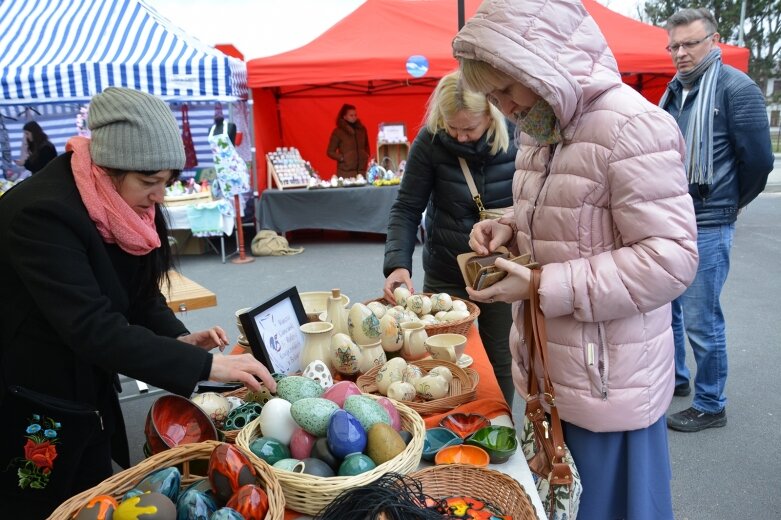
(699, 132)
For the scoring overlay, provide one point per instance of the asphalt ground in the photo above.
(724, 473)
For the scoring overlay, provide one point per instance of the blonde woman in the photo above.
(459, 123)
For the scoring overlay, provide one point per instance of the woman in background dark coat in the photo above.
(40, 149)
(349, 144)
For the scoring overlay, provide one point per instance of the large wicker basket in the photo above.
(309, 494)
(465, 480)
(119, 484)
(463, 387)
(450, 327)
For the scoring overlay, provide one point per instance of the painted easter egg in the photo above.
(101, 507)
(147, 506)
(229, 469)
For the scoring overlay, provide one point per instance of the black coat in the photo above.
(433, 181)
(70, 317)
(36, 161)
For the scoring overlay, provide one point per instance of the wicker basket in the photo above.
(463, 387)
(309, 494)
(465, 480)
(452, 327)
(119, 484)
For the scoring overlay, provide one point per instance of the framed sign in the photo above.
(273, 332)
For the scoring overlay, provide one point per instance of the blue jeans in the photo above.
(697, 314)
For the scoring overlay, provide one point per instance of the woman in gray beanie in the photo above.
(83, 250)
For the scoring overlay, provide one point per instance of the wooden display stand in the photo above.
(396, 152)
(272, 176)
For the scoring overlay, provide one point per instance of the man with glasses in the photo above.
(721, 113)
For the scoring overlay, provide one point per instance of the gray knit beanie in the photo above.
(134, 131)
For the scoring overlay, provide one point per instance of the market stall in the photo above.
(362, 61)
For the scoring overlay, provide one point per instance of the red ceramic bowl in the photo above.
(173, 420)
(462, 454)
(464, 424)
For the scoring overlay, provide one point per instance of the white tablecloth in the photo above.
(177, 219)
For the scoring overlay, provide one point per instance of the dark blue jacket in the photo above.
(742, 153)
(433, 181)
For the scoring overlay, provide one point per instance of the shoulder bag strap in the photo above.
(471, 183)
(562, 473)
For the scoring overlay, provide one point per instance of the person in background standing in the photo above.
(722, 115)
(39, 149)
(601, 202)
(459, 123)
(349, 144)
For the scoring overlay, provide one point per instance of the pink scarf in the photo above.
(116, 221)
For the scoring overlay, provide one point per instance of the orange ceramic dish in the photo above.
(462, 454)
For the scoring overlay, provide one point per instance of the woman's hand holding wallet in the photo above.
(512, 287)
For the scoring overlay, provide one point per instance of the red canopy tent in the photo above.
(362, 60)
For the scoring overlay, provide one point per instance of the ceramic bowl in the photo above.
(316, 302)
(500, 442)
(462, 454)
(436, 439)
(173, 420)
(464, 424)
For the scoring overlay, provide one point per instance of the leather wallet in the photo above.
(479, 272)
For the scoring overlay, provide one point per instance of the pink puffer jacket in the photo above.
(606, 213)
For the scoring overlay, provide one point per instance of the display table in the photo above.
(178, 219)
(490, 403)
(364, 209)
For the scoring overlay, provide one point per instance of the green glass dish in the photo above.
(500, 442)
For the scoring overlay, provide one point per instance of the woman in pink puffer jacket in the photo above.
(602, 203)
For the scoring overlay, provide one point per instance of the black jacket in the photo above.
(70, 319)
(433, 181)
(41, 158)
(742, 153)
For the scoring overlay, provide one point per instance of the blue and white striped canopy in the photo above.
(58, 51)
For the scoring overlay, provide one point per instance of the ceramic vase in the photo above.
(415, 337)
(317, 343)
(371, 355)
(335, 313)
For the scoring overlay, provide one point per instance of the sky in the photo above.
(247, 25)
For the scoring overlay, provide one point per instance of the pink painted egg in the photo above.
(341, 391)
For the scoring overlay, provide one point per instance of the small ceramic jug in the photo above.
(317, 343)
(335, 313)
(415, 337)
(371, 355)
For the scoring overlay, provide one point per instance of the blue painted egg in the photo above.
(194, 505)
(345, 434)
(226, 513)
(149, 506)
(165, 481)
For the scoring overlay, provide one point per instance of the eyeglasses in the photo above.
(672, 49)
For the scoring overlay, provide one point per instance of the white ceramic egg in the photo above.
(432, 387)
(318, 371)
(401, 391)
(386, 375)
(377, 308)
(215, 405)
(400, 294)
(441, 302)
(440, 316)
(456, 315)
(411, 374)
(415, 304)
(443, 372)
(459, 305)
(276, 420)
(234, 401)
